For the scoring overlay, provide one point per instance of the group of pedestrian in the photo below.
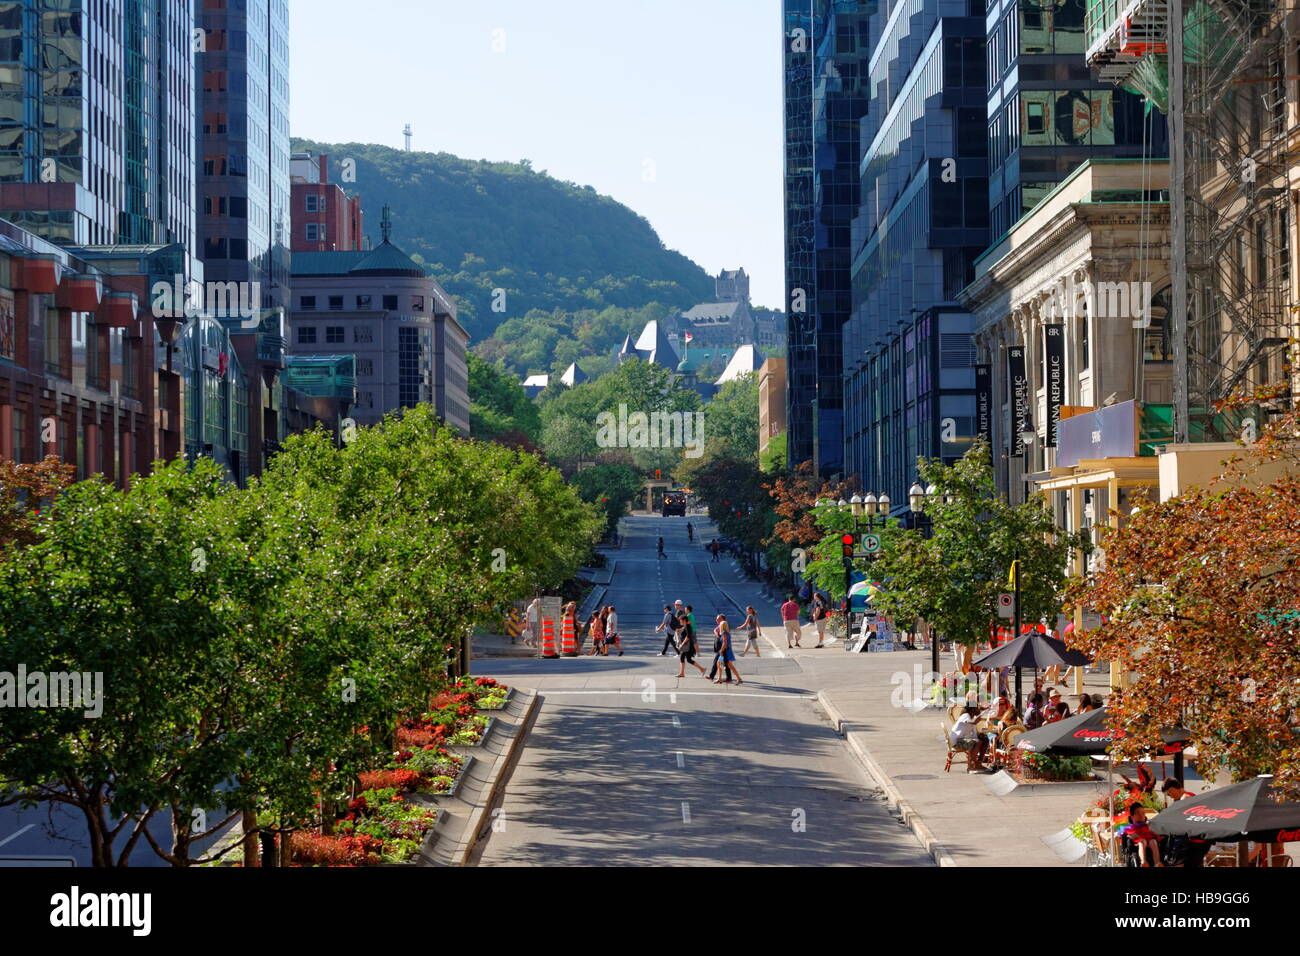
(603, 630)
(820, 613)
(678, 625)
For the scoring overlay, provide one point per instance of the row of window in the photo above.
(336, 335)
(307, 303)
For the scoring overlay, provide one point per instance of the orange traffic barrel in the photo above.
(568, 638)
(548, 638)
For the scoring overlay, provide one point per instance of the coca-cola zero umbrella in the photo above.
(1087, 733)
(1249, 810)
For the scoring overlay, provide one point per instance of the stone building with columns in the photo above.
(1071, 310)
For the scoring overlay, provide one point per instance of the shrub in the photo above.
(400, 781)
(315, 849)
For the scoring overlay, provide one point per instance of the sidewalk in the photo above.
(961, 821)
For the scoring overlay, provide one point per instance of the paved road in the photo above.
(628, 765)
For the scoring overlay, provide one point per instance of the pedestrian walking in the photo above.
(611, 631)
(713, 547)
(686, 646)
(727, 657)
(717, 653)
(751, 632)
(669, 626)
(661, 547)
(597, 627)
(534, 618)
(820, 614)
(790, 617)
(690, 617)
(690, 532)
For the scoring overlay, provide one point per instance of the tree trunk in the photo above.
(249, 823)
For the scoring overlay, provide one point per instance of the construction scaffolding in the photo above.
(1228, 81)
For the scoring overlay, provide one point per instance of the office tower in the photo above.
(825, 46)
(97, 134)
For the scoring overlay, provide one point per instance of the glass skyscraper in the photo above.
(1047, 113)
(825, 46)
(97, 120)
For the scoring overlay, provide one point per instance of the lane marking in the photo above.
(686, 693)
(15, 836)
(681, 760)
(677, 722)
(672, 697)
(686, 811)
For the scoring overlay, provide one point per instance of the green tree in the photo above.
(731, 419)
(611, 487)
(499, 406)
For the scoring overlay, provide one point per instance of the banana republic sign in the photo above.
(1054, 368)
(1018, 394)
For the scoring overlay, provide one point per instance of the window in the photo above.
(363, 335)
(363, 302)
(366, 399)
(365, 367)
(313, 202)
(1083, 343)
(315, 232)
(335, 335)
(336, 303)
(307, 335)
(417, 303)
(390, 303)
(307, 303)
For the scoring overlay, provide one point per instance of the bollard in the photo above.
(548, 638)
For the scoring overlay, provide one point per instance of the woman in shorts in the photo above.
(686, 646)
(597, 633)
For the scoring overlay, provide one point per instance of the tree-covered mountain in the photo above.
(480, 226)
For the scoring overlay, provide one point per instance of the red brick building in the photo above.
(324, 217)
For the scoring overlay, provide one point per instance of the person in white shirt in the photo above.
(611, 631)
(965, 736)
(534, 630)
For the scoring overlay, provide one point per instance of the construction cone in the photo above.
(548, 638)
(568, 639)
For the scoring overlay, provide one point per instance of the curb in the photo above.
(477, 818)
(906, 812)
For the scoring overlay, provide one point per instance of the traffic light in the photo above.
(846, 545)
(659, 474)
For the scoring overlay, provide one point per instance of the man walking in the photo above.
(790, 616)
(669, 626)
(534, 617)
(611, 631)
(713, 547)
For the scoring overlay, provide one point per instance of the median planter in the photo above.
(496, 702)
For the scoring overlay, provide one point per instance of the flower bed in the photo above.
(1040, 768)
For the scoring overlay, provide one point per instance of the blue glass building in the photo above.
(923, 220)
(825, 44)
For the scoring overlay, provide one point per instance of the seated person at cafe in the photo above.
(1086, 703)
(1148, 846)
(965, 736)
(1054, 700)
(1034, 716)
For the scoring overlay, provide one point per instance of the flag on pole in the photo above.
(689, 336)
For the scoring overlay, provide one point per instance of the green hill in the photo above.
(480, 226)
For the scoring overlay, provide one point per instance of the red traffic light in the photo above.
(847, 540)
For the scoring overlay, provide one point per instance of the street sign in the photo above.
(1006, 605)
(870, 543)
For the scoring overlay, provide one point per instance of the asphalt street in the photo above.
(629, 765)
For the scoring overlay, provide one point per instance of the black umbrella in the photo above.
(1249, 810)
(1087, 733)
(1031, 650)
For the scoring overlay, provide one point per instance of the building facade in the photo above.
(771, 402)
(244, 197)
(909, 366)
(325, 217)
(399, 323)
(825, 49)
(99, 120)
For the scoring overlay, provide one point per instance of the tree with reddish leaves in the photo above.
(24, 491)
(1201, 598)
(796, 493)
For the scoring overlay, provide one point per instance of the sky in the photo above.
(672, 107)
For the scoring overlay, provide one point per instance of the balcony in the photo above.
(1127, 44)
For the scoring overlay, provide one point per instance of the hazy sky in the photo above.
(672, 107)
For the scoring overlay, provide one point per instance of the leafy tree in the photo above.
(953, 578)
(23, 490)
(499, 406)
(611, 487)
(774, 459)
(731, 418)
(1199, 596)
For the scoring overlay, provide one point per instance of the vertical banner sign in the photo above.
(1017, 396)
(1054, 366)
(984, 403)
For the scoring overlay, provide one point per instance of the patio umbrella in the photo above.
(1087, 733)
(1250, 810)
(1031, 650)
